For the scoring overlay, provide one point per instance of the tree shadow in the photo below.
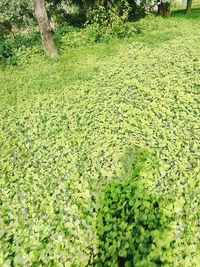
(154, 39)
(180, 13)
(132, 228)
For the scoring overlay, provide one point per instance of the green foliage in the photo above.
(106, 17)
(70, 37)
(5, 50)
(180, 13)
(131, 225)
(131, 8)
(105, 24)
(66, 126)
(13, 45)
(164, 8)
(16, 13)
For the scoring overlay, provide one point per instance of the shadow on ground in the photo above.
(195, 14)
(131, 224)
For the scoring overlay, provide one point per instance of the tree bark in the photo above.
(189, 6)
(45, 29)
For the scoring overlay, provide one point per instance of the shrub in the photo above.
(11, 45)
(124, 9)
(164, 8)
(73, 37)
(5, 47)
(16, 14)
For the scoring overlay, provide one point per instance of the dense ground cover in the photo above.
(69, 131)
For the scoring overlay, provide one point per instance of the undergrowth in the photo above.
(66, 127)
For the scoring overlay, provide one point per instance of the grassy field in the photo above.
(70, 125)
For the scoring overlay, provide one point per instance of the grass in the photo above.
(66, 127)
(180, 13)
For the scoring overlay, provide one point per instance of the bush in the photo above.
(132, 227)
(106, 17)
(16, 14)
(97, 33)
(124, 9)
(13, 44)
(164, 9)
(5, 47)
(75, 37)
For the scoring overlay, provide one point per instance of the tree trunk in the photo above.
(189, 6)
(45, 29)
